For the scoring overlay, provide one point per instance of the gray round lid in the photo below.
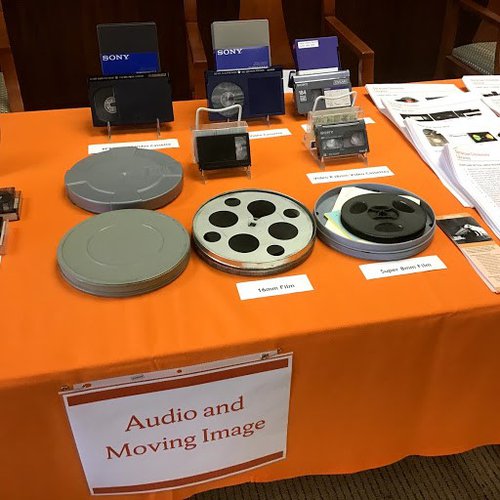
(124, 178)
(124, 252)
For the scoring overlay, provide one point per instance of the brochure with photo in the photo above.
(477, 246)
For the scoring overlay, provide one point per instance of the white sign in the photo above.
(348, 175)
(181, 427)
(158, 144)
(274, 286)
(399, 267)
(266, 134)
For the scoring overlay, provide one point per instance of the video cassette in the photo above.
(10, 204)
(259, 92)
(130, 99)
(335, 86)
(313, 55)
(341, 139)
(241, 44)
(224, 147)
(128, 48)
(3, 235)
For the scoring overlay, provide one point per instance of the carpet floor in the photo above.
(474, 475)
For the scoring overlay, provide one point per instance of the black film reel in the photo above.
(383, 218)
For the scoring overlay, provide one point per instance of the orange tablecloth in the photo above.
(382, 369)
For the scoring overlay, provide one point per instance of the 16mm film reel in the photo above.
(253, 232)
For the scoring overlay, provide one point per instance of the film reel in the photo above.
(383, 218)
(253, 232)
(227, 94)
(339, 237)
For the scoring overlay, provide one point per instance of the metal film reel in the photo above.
(253, 232)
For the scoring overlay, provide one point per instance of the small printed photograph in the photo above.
(435, 138)
(463, 230)
(240, 147)
(419, 118)
(443, 115)
(493, 93)
(468, 112)
(407, 99)
(482, 137)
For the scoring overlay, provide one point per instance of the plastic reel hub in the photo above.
(383, 218)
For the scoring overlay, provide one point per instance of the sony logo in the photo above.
(116, 57)
(227, 52)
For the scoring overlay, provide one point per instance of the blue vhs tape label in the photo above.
(128, 64)
(242, 58)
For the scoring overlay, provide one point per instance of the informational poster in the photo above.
(165, 430)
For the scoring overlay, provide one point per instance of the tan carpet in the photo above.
(473, 475)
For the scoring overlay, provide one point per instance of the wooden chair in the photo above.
(479, 57)
(280, 47)
(8, 68)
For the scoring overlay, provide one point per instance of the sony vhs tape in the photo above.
(259, 92)
(335, 86)
(130, 99)
(128, 48)
(341, 139)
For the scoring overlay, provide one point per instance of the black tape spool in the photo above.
(383, 218)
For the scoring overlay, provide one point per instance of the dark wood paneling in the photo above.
(54, 43)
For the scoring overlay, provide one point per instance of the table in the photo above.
(382, 369)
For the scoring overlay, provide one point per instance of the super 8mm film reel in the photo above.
(392, 225)
(253, 232)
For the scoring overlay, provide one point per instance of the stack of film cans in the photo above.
(128, 249)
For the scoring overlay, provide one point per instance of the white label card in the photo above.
(308, 44)
(348, 175)
(274, 286)
(400, 267)
(198, 424)
(158, 144)
(268, 133)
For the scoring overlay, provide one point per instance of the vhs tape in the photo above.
(260, 92)
(130, 99)
(335, 85)
(227, 147)
(127, 48)
(341, 139)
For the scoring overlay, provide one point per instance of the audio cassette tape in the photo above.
(335, 86)
(259, 92)
(130, 99)
(341, 139)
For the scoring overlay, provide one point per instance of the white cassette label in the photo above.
(349, 175)
(268, 133)
(400, 267)
(274, 286)
(308, 44)
(158, 144)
